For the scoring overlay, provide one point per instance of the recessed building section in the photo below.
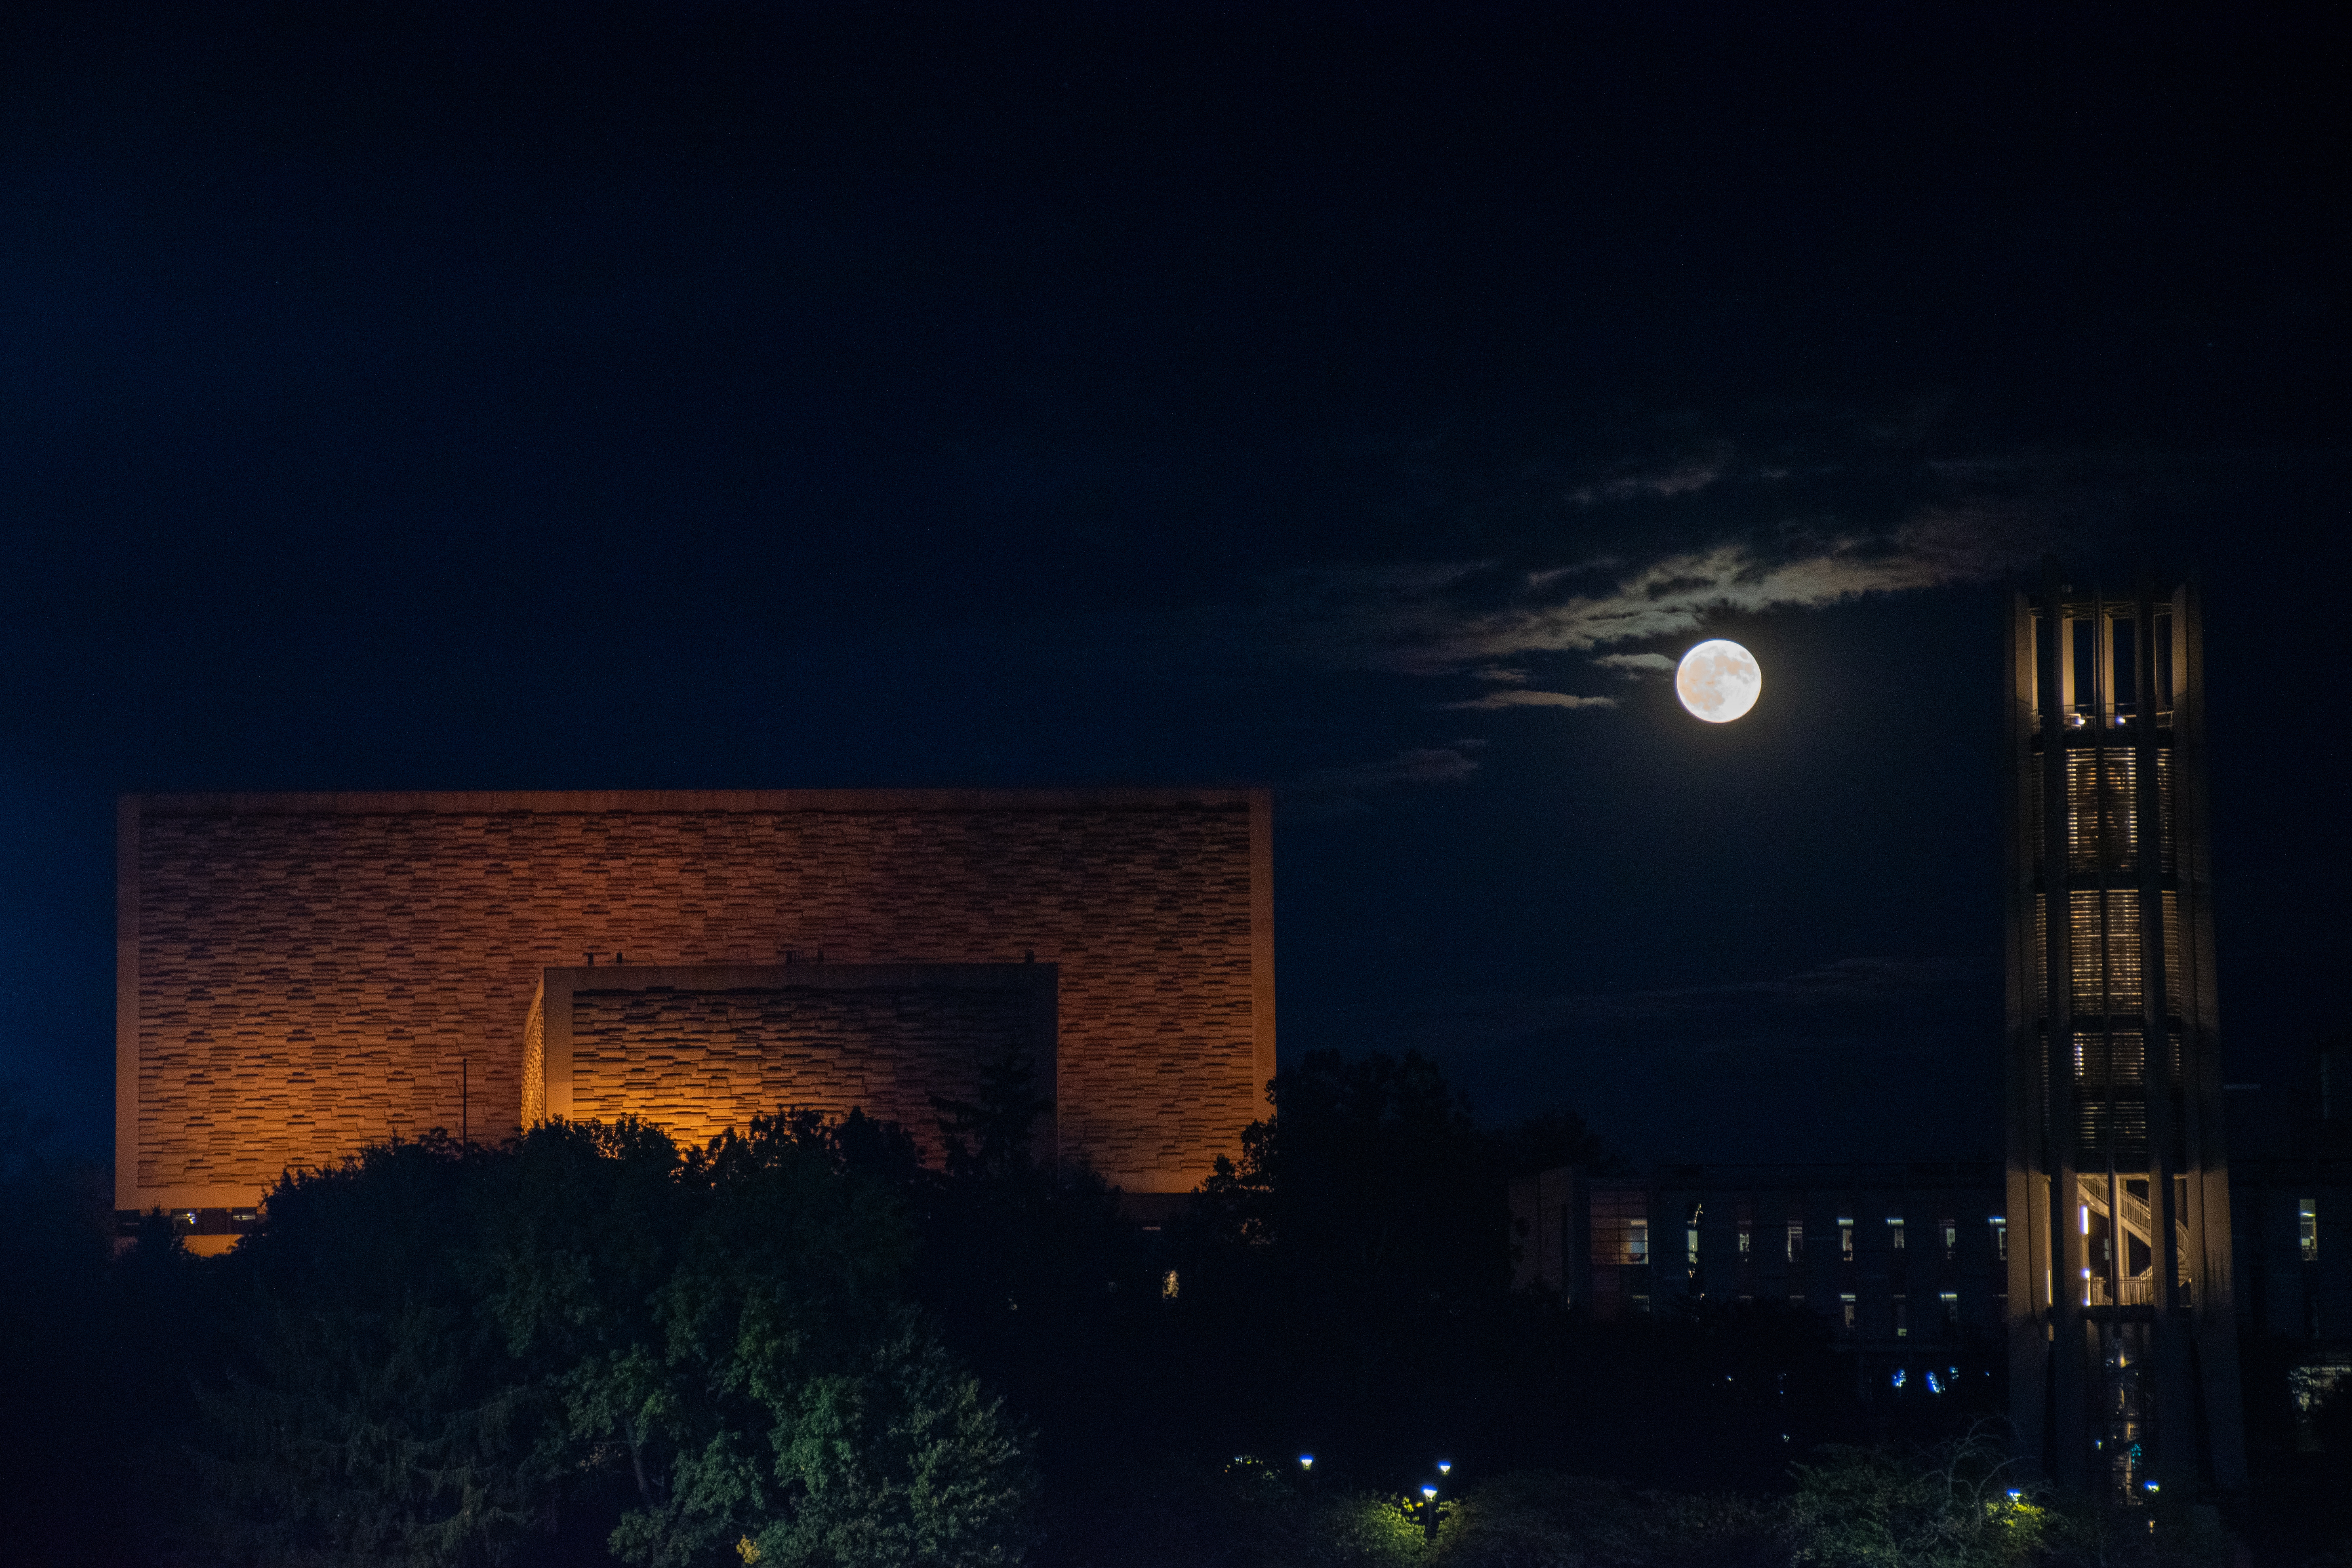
(698, 1049)
(300, 976)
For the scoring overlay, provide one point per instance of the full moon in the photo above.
(1720, 680)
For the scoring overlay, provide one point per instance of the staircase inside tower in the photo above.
(2132, 1284)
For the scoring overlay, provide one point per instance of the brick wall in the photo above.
(300, 976)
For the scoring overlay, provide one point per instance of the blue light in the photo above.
(1429, 1491)
(1898, 1378)
(1933, 1386)
(1306, 1461)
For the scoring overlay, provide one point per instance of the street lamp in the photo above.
(1428, 1511)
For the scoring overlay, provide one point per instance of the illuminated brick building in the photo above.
(300, 976)
(2123, 1335)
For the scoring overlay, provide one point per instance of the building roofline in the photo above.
(476, 802)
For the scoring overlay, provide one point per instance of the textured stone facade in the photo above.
(299, 975)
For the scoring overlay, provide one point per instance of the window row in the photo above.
(1621, 1235)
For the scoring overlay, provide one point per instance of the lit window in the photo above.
(1845, 1239)
(1951, 1301)
(1168, 1286)
(2307, 1220)
(1796, 1242)
(1621, 1226)
(1951, 1239)
(1902, 1320)
(1747, 1237)
(1894, 1234)
(1999, 1238)
(1690, 1236)
(1845, 1311)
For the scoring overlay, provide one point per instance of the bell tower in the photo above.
(2123, 1338)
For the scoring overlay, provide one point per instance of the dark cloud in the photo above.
(1883, 991)
(1871, 1058)
(1339, 791)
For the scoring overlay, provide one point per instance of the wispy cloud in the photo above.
(1433, 619)
(1682, 477)
(1634, 663)
(1522, 699)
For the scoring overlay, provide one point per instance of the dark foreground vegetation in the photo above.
(801, 1345)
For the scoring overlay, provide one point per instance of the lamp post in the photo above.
(1429, 1512)
(1307, 1470)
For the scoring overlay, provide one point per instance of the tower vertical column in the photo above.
(2064, 1325)
(2206, 1164)
(2027, 1205)
(2176, 1437)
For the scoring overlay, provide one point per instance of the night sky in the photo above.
(1363, 401)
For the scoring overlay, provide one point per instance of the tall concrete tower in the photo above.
(2123, 1338)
